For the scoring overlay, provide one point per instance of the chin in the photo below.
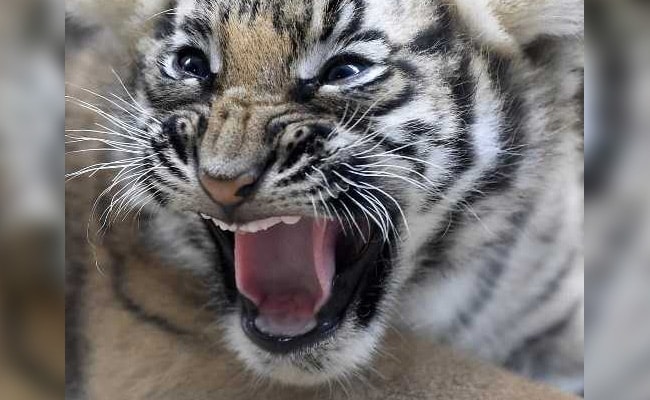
(307, 297)
(343, 355)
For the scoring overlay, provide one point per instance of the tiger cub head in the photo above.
(311, 137)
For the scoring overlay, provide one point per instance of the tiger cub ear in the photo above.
(507, 23)
(124, 18)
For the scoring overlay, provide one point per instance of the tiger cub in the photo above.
(336, 167)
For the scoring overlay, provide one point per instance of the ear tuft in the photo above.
(507, 23)
(527, 20)
(483, 24)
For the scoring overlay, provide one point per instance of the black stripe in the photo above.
(463, 91)
(297, 176)
(249, 7)
(158, 196)
(368, 36)
(437, 38)
(402, 98)
(225, 14)
(196, 27)
(278, 17)
(528, 345)
(550, 289)
(496, 179)
(202, 127)
(462, 86)
(175, 131)
(278, 123)
(512, 133)
(311, 142)
(331, 17)
(409, 70)
(417, 131)
(119, 289)
(511, 137)
(494, 269)
(159, 149)
(154, 177)
(357, 19)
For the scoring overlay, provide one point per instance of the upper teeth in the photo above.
(254, 226)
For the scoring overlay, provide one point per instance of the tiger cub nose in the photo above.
(229, 192)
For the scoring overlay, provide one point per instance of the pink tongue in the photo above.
(287, 273)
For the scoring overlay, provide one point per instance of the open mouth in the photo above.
(295, 277)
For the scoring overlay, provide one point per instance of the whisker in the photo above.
(400, 157)
(385, 174)
(382, 212)
(109, 117)
(368, 214)
(111, 143)
(93, 169)
(354, 221)
(368, 167)
(101, 150)
(399, 207)
(105, 98)
(135, 102)
(165, 12)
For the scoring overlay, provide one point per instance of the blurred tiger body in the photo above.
(458, 143)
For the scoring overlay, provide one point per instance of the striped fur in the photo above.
(460, 144)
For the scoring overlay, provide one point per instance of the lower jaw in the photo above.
(347, 350)
(323, 330)
(349, 284)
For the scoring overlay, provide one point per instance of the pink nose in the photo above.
(227, 192)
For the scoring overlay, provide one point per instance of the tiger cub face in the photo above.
(310, 136)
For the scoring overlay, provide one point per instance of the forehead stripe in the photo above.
(437, 38)
(334, 12)
(197, 27)
(356, 22)
(331, 18)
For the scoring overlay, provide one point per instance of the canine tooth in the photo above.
(222, 225)
(205, 216)
(291, 220)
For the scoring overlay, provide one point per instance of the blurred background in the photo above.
(617, 199)
(32, 38)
